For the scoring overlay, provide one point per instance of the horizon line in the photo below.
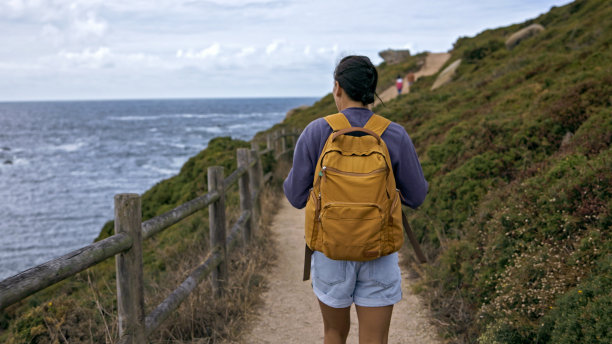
(5, 101)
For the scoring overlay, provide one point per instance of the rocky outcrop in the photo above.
(446, 75)
(394, 56)
(567, 139)
(523, 34)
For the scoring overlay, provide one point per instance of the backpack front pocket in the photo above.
(352, 231)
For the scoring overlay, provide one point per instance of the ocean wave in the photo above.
(239, 126)
(76, 164)
(165, 116)
(160, 170)
(132, 118)
(20, 162)
(178, 162)
(68, 147)
(210, 130)
(202, 115)
(177, 145)
(196, 116)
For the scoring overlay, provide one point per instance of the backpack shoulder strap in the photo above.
(377, 124)
(338, 121)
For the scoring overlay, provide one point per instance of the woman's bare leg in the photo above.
(374, 324)
(336, 323)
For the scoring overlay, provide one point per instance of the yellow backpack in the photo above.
(354, 210)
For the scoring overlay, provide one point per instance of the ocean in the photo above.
(62, 162)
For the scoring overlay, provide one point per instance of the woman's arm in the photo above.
(305, 156)
(408, 172)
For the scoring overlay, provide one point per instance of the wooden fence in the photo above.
(130, 231)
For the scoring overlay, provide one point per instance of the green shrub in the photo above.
(582, 315)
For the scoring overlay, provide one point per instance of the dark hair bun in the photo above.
(358, 77)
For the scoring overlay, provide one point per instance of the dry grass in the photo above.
(204, 319)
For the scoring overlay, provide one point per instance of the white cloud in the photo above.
(270, 48)
(89, 58)
(104, 57)
(146, 39)
(246, 51)
(88, 54)
(211, 51)
(410, 46)
(89, 26)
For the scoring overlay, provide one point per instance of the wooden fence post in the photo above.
(290, 138)
(259, 166)
(277, 144)
(283, 140)
(216, 218)
(255, 182)
(245, 192)
(130, 295)
(269, 142)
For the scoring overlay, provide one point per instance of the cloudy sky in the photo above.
(117, 49)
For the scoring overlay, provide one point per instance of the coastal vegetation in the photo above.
(516, 149)
(516, 225)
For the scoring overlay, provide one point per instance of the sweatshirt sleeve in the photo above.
(409, 174)
(305, 155)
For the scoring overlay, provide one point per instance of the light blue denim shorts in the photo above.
(339, 283)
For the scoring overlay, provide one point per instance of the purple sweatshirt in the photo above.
(409, 177)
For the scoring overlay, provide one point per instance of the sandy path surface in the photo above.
(433, 63)
(290, 313)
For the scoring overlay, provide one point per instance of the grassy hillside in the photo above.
(516, 224)
(517, 152)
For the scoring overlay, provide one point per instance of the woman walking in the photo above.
(373, 285)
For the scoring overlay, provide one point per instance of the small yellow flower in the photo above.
(579, 291)
(50, 304)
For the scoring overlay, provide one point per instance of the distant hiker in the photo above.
(410, 79)
(387, 163)
(399, 83)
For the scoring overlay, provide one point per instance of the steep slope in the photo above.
(517, 152)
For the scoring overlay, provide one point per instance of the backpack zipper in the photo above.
(324, 169)
(331, 204)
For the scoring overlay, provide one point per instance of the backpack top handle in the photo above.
(354, 129)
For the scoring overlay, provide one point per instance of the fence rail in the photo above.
(130, 231)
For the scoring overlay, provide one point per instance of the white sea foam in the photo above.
(178, 162)
(197, 115)
(131, 118)
(166, 115)
(210, 130)
(178, 145)
(163, 171)
(69, 147)
(233, 127)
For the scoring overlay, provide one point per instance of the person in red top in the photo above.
(399, 83)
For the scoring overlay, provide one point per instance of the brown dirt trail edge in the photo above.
(290, 311)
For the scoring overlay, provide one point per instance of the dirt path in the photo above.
(433, 63)
(290, 313)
